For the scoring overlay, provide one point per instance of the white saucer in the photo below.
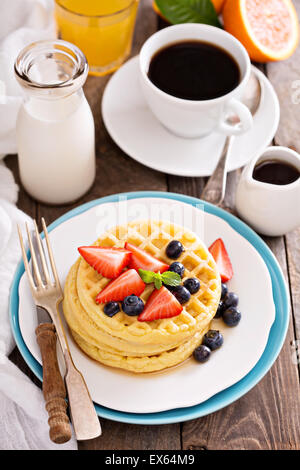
(138, 133)
(189, 383)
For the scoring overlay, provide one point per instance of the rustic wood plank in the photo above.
(293, 255)
(122, 436)
(268, 417)
(188, 186)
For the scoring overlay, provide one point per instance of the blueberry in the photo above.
(181, 294)
(213, 339)
(224, 290)
(111, 308)
(230, 300)
(192, 284)
(170, 288)
(232, 316)
(177, 267)
(132, 305)
(174, 249)
(202, 353)
(220, 310)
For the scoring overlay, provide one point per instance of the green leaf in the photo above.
(189, 11)
(171, 279)
(168, 277)
(147, 276)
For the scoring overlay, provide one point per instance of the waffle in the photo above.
(102, 348)
(80, 323)
(153, 238)
(122, 341)
(141, 364)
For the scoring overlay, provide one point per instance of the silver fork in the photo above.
(48, 295)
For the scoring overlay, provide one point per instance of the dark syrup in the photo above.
(275, 172)
(194, 70)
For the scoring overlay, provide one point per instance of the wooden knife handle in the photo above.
(53, 385)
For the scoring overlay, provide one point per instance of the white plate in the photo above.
(189, 383)
(138, 133)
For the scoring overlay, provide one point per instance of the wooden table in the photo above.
(268, 417)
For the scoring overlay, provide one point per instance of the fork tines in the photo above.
(41, 278)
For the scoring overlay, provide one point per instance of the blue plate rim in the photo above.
(225, 397)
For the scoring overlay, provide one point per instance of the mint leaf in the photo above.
(147, 276)
(189, 11)
(168, 277)
(171, 279)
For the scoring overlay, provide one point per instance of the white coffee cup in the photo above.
(187, 118)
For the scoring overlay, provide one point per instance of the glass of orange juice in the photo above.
(102, 29)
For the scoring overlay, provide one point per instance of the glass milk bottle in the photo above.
(55, 125)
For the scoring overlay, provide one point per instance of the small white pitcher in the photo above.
(269, 208)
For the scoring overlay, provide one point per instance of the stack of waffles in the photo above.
(124, 342)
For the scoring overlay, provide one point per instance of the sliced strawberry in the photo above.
(161, 304)
(128, 283)
(109, 262)
(140, 259)
(220, 255)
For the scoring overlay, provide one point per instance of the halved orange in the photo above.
(218, 4)
(269, 29)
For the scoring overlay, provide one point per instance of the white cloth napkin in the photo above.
(21, 23)
(23, 418)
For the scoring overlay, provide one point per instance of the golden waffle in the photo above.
(153, 237)
(80, 322)
(141, 364)
(122, 341)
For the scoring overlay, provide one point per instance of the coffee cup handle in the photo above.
(239, 118)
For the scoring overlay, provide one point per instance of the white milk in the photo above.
(55, 125)
(56, 147)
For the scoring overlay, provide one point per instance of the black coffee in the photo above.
(194, 70)
(275, 172)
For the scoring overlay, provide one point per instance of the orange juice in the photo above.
(102, 29)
